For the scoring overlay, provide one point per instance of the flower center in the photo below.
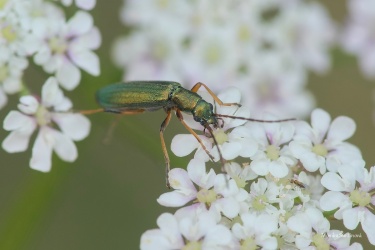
(319, 242)
(206, 196)
(4, 73)
(243, 33)
(248, 244)
(163, 3)
(220, 136)
(361, 198)
(160, 50)
(212, 54)
(241, 183)
(9, 33)
(259, 203)
(320, 149)
(3, 3)
(273, 152)
(192, 245)
(43, 116)
(57, 45)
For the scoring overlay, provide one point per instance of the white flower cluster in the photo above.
(39, 29)
(271, 194)
(264, 47)
(359, 34)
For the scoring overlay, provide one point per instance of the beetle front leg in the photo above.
(196, 87)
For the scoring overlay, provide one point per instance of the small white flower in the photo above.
(217, 192)
(354, 203)
(310, 226)
(255, 230)
(188, 230)
(263, 195)
(44, 114)
(67, 46)
(273, 155)
(359, 33)
(322, 146)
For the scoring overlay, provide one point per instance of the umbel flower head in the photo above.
(271, 193)
(57, 129)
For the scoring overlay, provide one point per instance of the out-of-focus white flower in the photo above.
(83, 4)
(306, 33)
(220, 44)
(67, 46)
(275, 86)
(11, 72)
(322, 146)
(359, 34)
(355, 204)
(44, 114)
(15, 36)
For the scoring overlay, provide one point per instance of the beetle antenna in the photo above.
(89, 112)
(215, 142)
(254, 120)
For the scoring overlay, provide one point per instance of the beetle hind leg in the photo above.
(163, 146)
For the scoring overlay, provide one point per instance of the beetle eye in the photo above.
(211, 106)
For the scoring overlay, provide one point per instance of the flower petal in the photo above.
(320, 121)
(342, 128)
(16, 120)
(351, 218)
(333, 182)
(64, 147)
(86, 4)
(51, 93)
(86, 60)
(183, 144)
(42, 151)
(76, 126)
(332, 200)
(80, 23)
(68, 75)
(174, 199)
(368, 226)
(28, 104)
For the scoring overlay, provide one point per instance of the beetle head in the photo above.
(204, 114)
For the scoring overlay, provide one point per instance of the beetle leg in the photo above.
(181, 118)
(131, 112)
(165, 151)
(196, 87)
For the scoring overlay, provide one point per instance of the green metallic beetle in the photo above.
(139, 96)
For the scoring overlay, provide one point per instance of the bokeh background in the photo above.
(107, 198)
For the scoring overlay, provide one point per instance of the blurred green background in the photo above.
(107, 198)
